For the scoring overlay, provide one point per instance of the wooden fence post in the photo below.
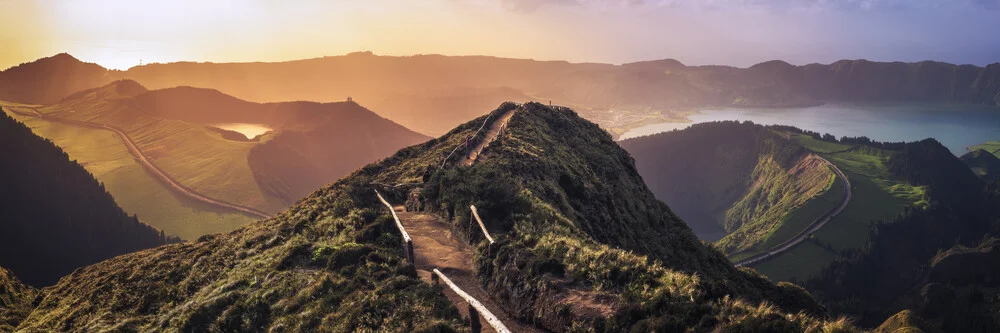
(474, 323)
(409, 252)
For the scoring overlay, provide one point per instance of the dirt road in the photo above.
(809, 230)
(146, 163)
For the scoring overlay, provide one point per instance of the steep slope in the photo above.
(55, 216)
(48, 80)
(735, 183)
(15, 300)
(984, 164)
(315, 143)
(903, 254)
(293, 163)
(576, 229)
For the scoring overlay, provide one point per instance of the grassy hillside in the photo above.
(574, 218)
(567, 206)
(906, 263)
(15, 300)
(984, 164)
(54, 216)
(992, 146)
(173, 129)
(104, 155)
(738, 184)
(878, 196)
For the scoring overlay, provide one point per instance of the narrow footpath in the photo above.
(491, 134)
(435, 246)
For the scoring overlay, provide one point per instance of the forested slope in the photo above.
(55, 216)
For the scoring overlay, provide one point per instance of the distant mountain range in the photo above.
(432, 93)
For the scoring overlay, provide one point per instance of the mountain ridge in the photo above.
(444, 90)
(335, 254)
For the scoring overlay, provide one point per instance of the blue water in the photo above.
(957, 126)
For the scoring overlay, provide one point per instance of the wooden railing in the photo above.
(475, 308)
(407, 241)
(481, 127)
(475, 214)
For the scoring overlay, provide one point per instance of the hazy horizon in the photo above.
(118, 34)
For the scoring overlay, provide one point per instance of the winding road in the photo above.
(809, 230)
(146, 163)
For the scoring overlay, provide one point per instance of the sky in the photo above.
(121, 33)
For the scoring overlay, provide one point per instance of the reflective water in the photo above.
(957, 126)
(249, 130)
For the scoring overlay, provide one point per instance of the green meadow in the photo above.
(194, 155)
(104, 155)
(876, 196)
(991, 146)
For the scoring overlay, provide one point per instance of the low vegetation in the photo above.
(15, 300)
(737, 184)
(104, 155)
(984, 164)
(575, 222)
(332, 262)
(906, 263)
(878, 195)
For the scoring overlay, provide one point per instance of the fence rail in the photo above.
(480, 130)
(407, 241)
(475, 308)
(482, 226)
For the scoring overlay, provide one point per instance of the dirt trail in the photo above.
(491, 134)
(435, 246)
(147, 164)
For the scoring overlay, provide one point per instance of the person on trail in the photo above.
(468, 148)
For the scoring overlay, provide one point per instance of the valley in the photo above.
(134, 188)
(213, 180)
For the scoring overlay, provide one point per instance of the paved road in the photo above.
(434, 246)
(809, 230)
(146, 163)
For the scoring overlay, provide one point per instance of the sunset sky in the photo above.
(118, 33)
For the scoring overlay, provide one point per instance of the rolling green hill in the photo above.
(878, 195)
(174, 130)
(54, 216)
(936, 261)
(991, 146)
(570, 213)
(984, 164)
(738, 184)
